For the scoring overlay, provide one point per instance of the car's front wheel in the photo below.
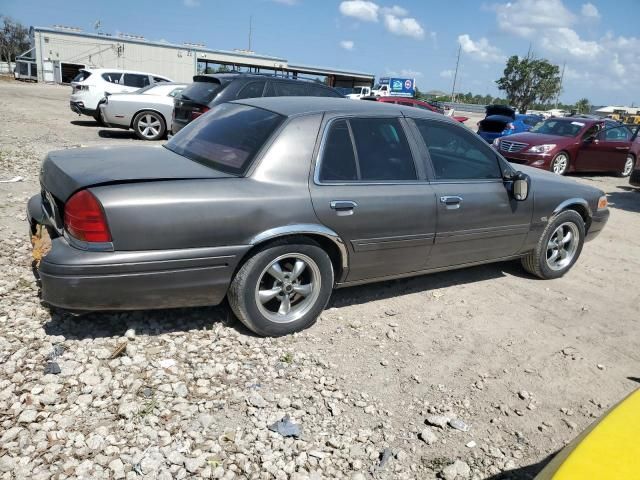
(560, 163)
(628, 166)
(282, 288)
(558, 248)
(149, 125)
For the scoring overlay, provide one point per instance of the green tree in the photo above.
(14, 39)
(529, 80)
(582, 105)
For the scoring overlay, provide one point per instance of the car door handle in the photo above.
(342, 205)
(451, 202)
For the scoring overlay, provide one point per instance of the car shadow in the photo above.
(629, 200)
(393, 288)
(156, 322)
(85, 123)
(117, 134)
(526, 472)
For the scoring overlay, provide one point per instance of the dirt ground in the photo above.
(526, 364)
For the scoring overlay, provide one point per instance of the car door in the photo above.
(608, 151)
(478, 219)
(368, 188)
(588, 152)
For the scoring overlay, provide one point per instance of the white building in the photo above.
(58, 53)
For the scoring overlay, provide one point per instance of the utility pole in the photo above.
(250, 28)
(455, 75)
(561, 80)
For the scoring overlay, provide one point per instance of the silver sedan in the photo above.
(147, 111)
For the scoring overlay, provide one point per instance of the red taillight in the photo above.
(196, 113)
(84, 218)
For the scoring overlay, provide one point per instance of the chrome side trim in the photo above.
(424, 272)
(305, 228)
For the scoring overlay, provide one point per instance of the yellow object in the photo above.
(608, 450)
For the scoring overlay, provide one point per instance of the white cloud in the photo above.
(403, 73)
(408, 27)
(191, 3)
(347, 44)
(589, 10)
(567, 41)
(395, 10)
(481, 49)
(526, 17)
(360, 9)
(447, 73)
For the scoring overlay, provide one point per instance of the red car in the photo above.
(574, 144)
(412, 102)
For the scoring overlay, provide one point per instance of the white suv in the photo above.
(90, 87)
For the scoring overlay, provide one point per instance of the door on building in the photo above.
(47, 71)
(57, 74)
(69, 71)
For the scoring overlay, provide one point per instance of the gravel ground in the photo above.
(478, 373)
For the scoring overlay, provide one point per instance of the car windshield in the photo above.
(202, 92)
(561, 128)
(226, 138)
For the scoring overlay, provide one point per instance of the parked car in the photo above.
(566, 144)
(207, 91)
(273, 202)
(147, 111)
(413, 102)
(501, 121)
(91, 85)
(608, 448)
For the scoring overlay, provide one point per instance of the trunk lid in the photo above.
(501, 110)
(64, 172)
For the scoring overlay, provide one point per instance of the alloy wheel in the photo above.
(560, 163)
(288, 288)
(149, 125)
(628, 166)
(562, 246)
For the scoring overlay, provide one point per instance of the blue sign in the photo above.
(401, 87)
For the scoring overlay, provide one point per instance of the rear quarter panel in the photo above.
(218, 212)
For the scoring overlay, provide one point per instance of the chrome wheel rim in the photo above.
(562, 246)
(288, 288)
(560, 164)
(149, 125)
(628, 166)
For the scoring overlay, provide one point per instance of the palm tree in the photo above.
(583, 105)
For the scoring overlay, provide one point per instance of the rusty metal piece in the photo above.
(119, 350)
(41, 242)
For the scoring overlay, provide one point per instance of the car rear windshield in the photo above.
(82, 75)
(226, 138)
(202, 92)
(561, 128)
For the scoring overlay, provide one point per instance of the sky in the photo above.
(598, 40)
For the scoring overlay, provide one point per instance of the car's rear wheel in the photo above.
(628, 166)
(558, 248)
(98, 116)
(282, 288)
(149, 125)
(560, 163)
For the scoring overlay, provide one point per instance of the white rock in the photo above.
(428, 436)
(457, 469)
(117, 468)
(256, 400)
(438, 420)
(28, 416)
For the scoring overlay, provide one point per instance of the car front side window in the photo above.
(457, 155)
(112, 77)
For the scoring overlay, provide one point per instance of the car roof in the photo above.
(586, 121)
(256, 76)
(293, 106)
(119, 70)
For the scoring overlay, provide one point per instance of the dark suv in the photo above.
(209, 90)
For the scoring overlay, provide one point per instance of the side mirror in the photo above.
(521, 184)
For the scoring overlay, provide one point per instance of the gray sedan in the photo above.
(273, 202)
(147, 111)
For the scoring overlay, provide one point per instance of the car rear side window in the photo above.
(226, 138)
(112, 77)
(251, 90)
(381, 152)
(318, 91)
(202, 92)
(159, 79)
(136, 80)
(456, 154)
(291, 89)
(82, 75)
(338, 159)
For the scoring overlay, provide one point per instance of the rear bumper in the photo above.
(80, 109)
(84, 280)
(177, 125)
(598, 221)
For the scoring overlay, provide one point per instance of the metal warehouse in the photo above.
(58, 53)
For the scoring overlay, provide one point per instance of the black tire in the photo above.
(242, 294)
(536, 262)
(627, 172)
(144, 116)
(97, 117)
(556, 160)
